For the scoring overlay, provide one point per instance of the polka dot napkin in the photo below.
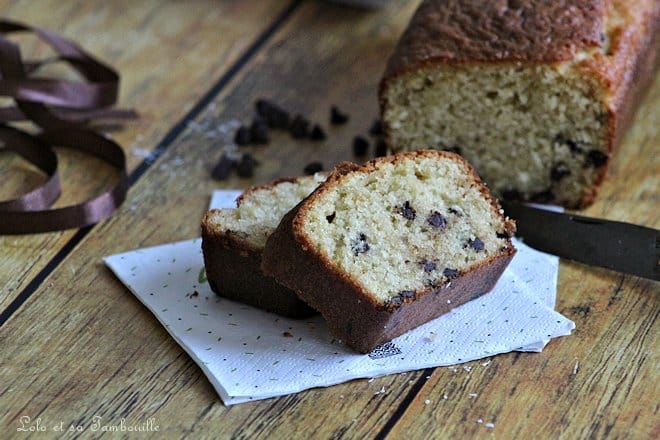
(249, 354)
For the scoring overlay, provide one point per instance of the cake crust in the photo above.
(352, 314)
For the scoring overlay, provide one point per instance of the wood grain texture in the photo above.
(168, 54)
(82, 345)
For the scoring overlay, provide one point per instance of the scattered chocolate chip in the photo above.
(223, 167)
(337, 117)
(360, 245)
(456, 212)
(428, 266)
(512, 194)
(381, 148)
(274, 116)
(194, 294)
(360, 146)
(330, 218)
(317, 133)
(543, 196)
(242, 136)
(476, 244)
(287, 334)
(299, 127)
(504, 234)
(450, 273)
(259, 131)
(596, 158)
(313, 167)
(437, 220)
(559, 171)
(407, 211)
(246, 165)
(376, 128)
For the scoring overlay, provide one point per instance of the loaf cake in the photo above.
(535, 94)
(233, 240)
(381, 248)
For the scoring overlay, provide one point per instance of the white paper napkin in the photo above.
(249, 354)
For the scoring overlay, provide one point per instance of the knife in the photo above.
(618, 246)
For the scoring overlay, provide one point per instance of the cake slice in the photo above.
(381, 248)
(535, 94)
(233, 240)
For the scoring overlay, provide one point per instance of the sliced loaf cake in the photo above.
(233, 240)
(381, 248)
(535, 94)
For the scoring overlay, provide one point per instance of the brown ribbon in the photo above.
(61, 109)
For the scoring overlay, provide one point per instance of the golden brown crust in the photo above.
(353, 315)
(233, 269)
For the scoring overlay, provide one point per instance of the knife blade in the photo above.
(619, 246)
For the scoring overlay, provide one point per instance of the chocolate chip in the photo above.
(504, 234)
(223, 167)
(381, 148)
(428, 266)
(317, 133)
(360, 146)
(456, 212)
(360, 245)
(543, 196)
(437, 220)
(313, 167)
(299, 127)
(395, 301)
(559, 171)
(512, 194)
(274, 116)
(246, 165)
(259, 131)
(450, 273)
(330, 218)
(407, 211)
(596, 158)
(476, 244)
(376, 128)
(406, 294)
(242, 136)
(337, 117)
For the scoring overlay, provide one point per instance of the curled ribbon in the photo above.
(61, 109)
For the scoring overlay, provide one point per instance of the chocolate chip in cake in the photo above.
(246, 165)
(504, 234)
(596, 159)
(428, 266)
(476, 244)
(313, 167)
(450, 273)
(259, 131)
(360, 146)
(223, 167)
(407, 211)
(242, 136)
(274, 116)
(360, 245)
(299, 127)
(376, 128)
(317, 133)
(455, 212)
(330, 218)
(381, 148)
(437, 220)
(337, 117)
(543, 196)
(406, 294)
(559, 171)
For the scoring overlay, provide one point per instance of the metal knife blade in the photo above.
(619, 246)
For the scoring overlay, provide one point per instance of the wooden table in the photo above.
(76, 344)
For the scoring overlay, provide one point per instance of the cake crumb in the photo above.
(371, 380)
(445, 397)
(467, 368)
(487, 363)
(381, 391)
(489, 425)
(472, 395)
(427, 401)
(480, 421)
(576, 367)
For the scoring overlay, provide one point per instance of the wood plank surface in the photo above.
(83, 346)
(169, 54)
